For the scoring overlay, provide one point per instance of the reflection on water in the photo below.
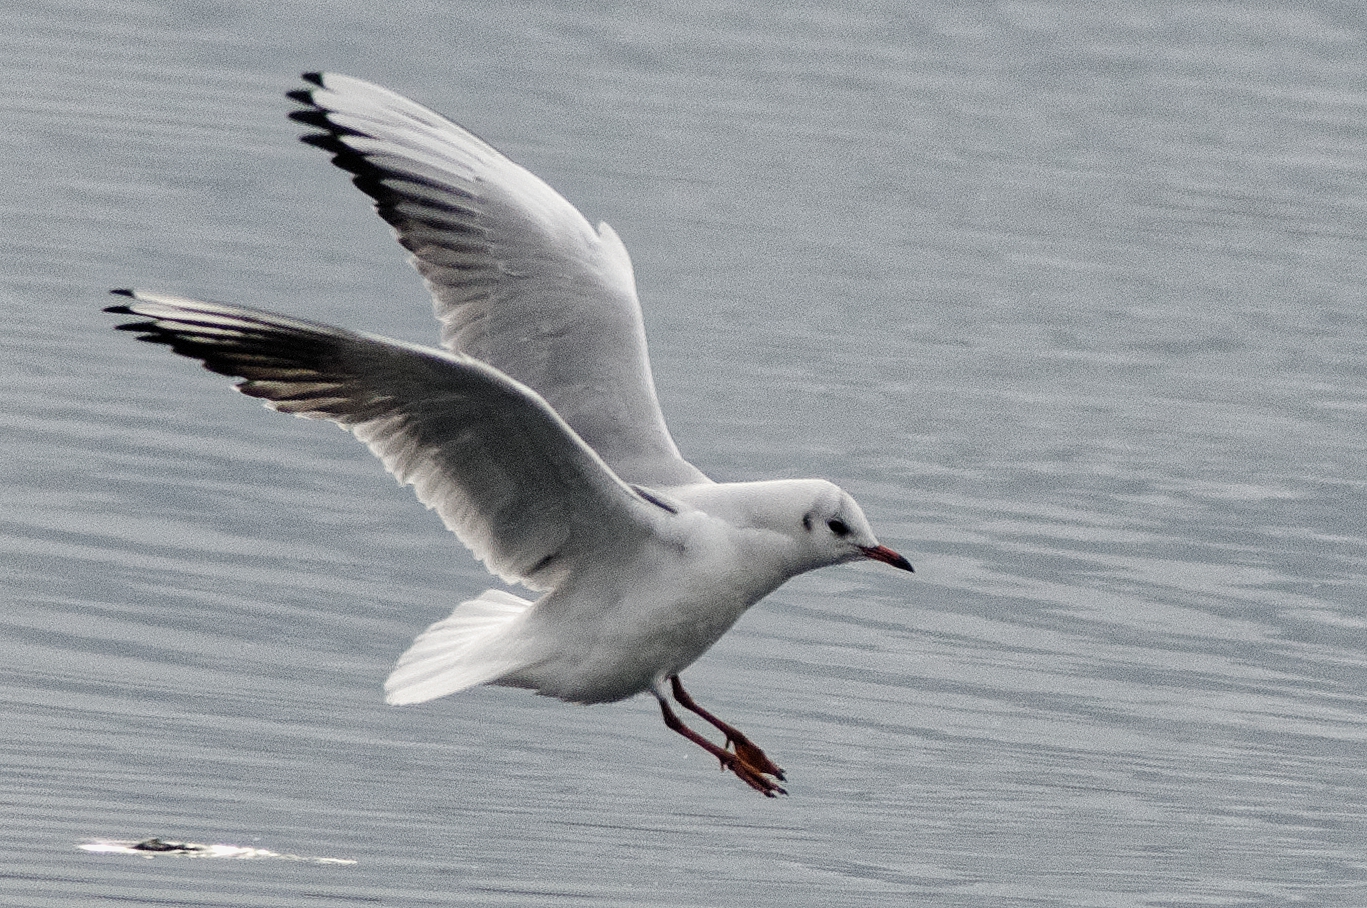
(1069, 299)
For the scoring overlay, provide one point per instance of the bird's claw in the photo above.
(752, 766)
(758, 779)
(752, 756)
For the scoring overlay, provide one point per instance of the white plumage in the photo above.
(536, 436)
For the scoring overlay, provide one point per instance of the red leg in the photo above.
(746, 749)
(748, 774)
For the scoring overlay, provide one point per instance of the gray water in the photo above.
(1068, 295)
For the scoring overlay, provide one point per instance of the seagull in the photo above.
(535, 434)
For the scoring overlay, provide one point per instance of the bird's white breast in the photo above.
(609, 634)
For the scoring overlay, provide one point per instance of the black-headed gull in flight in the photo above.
(535, 434)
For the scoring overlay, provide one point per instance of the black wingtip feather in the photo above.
(317, 139)
(146, 330)
(318, 119)
(120, 309)
(315, 77)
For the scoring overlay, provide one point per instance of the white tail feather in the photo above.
(471, 646)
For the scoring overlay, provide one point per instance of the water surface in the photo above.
(1068, 296)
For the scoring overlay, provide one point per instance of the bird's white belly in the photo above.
(602, 641)
(617, 662)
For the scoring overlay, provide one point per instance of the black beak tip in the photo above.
(888, 556)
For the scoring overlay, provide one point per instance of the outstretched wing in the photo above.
(506, 474)
(519, 278)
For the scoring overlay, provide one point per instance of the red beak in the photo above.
(888, 556)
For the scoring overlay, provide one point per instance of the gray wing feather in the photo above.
(519, 279)
(504, 472)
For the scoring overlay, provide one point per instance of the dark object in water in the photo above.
(161, 845)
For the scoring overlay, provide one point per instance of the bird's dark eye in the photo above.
(838, 526)
(807, 522)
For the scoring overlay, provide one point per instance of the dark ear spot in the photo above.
(838, 527)
(807, 521)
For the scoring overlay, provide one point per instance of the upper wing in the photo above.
(505, 473)
(519, 278)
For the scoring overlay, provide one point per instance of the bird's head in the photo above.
(835, 530)
(814, 523)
